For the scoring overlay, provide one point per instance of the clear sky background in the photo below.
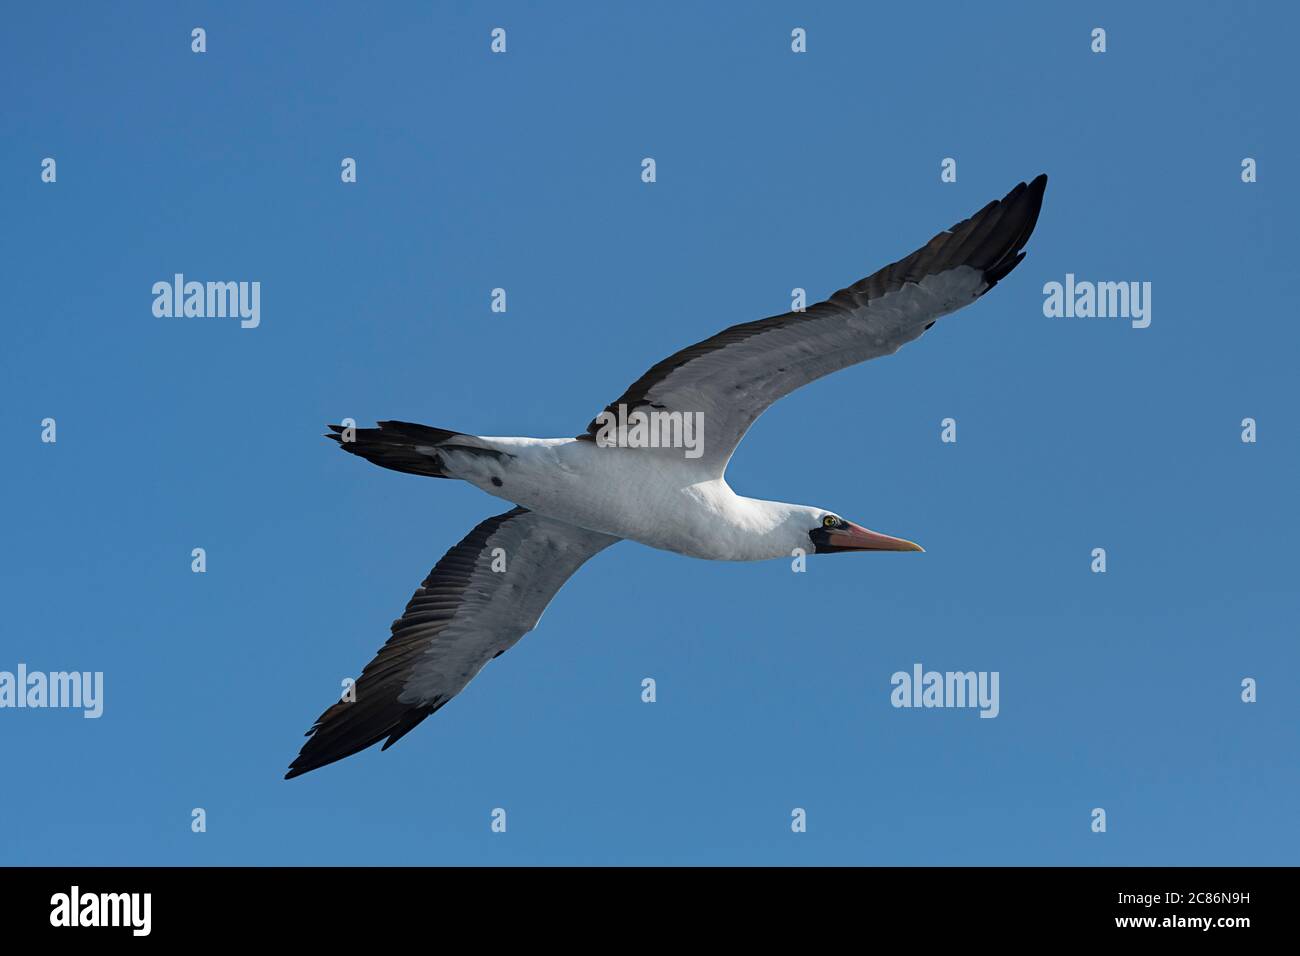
(775, 170)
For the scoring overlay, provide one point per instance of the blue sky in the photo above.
(775, 170)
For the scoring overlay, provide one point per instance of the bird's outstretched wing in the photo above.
(463, 615)
(731, 378)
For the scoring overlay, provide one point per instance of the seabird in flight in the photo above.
(576, 496)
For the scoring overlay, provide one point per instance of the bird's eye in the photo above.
(830, 521)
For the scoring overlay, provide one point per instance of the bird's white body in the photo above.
(657, 497)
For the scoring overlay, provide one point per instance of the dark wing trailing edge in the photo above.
(734, 376)
(462, 616)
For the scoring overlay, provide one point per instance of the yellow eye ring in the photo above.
(830, 521)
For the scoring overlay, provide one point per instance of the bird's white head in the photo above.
(831, 534)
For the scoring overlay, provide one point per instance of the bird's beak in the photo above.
(854, 537)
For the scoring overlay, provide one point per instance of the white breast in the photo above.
(656, 497)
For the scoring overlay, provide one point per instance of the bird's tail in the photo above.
(404, 446)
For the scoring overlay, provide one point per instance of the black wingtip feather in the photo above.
(333, 738)
(1007, 242)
